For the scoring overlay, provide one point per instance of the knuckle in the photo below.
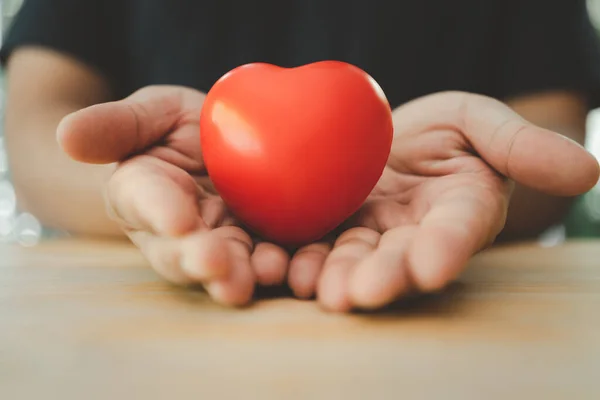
(238, 236)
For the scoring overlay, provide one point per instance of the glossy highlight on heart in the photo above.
(294, 152)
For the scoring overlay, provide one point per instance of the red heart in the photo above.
(294, 152)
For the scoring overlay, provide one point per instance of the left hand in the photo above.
(442, 198)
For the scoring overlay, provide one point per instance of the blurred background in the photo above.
(15, 226)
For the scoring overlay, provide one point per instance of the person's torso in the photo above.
(411, 48)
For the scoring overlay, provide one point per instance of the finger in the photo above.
(305, 268)
(110, 132)
(163, 254)
(149, 194)
(350, 248)
(382, 277)
(458, 225)
(238, 287)
(194, 259)
(270, 263)
(205, 257)
(530, 155)
(217, 259)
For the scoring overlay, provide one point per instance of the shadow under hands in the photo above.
(443, 303)
(446, 303)
(265, 293)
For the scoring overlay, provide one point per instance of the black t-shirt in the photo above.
(501, 48)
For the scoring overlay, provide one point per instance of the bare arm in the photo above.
(531, 212)
(43, 87)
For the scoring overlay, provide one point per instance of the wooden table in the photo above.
(86, 320)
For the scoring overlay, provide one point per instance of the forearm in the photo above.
(43, 86)
(531, 213)
(60, 192)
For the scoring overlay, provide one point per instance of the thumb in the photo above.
(110, 132)
(530, 155)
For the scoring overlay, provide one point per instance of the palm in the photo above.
(175, 160)
(432, 197)
(407, 191)
(178, 158)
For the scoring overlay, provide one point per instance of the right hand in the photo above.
(162, 198)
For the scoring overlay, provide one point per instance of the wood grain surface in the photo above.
(90, 320)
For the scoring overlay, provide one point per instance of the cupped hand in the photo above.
(161, 196)
(442, 198)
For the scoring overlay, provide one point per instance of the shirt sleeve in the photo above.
(88, 30)
(546, 46)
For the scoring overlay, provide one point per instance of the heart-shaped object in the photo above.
(294, 152)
